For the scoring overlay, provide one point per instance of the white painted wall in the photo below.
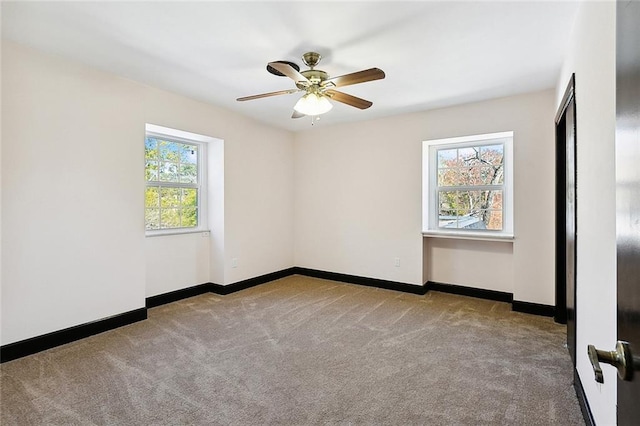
(358, 198)
(73, 243)
(592, 58)
(251, 212)
(215, 187)
(258, 202)
(176, 261)
(479, 264)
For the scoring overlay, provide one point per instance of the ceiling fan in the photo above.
(318, 86)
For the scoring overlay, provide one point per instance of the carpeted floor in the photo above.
(304, 351)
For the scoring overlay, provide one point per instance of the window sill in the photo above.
(204, 232)
(479, 236)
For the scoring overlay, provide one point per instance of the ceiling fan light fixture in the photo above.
(313, 104)
(318, 86)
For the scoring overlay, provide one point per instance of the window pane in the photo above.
(463, 204)
(152, 218)
(189, 197)
(151, 170)
(470, 220)
(189, 217)
(470, 209)
(469, 156)
(152, 197)
(474, 200)
(448, 177)
(471, 199)
(170, 197)
(491, 175)
(172, 173)
(447, 158)
(498, 175)
(493, 220)
(188, 154)
(189, 173)
(463, 176)
(471, 176)
(169, 172)
(447, 220)
(170, 218)
(448, 202)
(150, 149)
(492, 154)
(481, 219)
(169, 151)
(493, 200)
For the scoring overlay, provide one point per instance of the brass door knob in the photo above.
(621, 358)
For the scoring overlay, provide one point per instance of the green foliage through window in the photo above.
(171, 172)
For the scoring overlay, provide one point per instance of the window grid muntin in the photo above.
(159, 160)
(479, 144)
(181, 206)
(159, 184)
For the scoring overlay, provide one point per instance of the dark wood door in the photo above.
(566, 216)
(628, 197)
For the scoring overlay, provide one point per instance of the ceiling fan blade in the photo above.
(348, 99)
(290, 72)
(297, 114)
(355, 78)
(266, 95)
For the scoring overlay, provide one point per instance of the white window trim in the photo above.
(429, 192)
(194, 139)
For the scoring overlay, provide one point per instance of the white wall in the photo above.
(592, 58)
(479, 264)
(258, 202)
(215, 188)
(73, 244)
(176, 261)
(255, 164)
(358, 198)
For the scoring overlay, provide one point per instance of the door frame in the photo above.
(561, 194)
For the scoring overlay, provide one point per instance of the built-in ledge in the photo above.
(169, 232)
(479, 236)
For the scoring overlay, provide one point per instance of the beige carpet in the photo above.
(304, 351)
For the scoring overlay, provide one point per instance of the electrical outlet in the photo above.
(234, 262)
(396, 262)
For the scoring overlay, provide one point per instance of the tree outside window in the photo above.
(470, 187)
(171, 173)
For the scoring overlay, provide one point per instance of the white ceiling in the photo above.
(434, 54)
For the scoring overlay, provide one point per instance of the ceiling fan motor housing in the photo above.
(311, 59)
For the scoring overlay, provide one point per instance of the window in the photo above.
(174, 174)
(468, 186)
